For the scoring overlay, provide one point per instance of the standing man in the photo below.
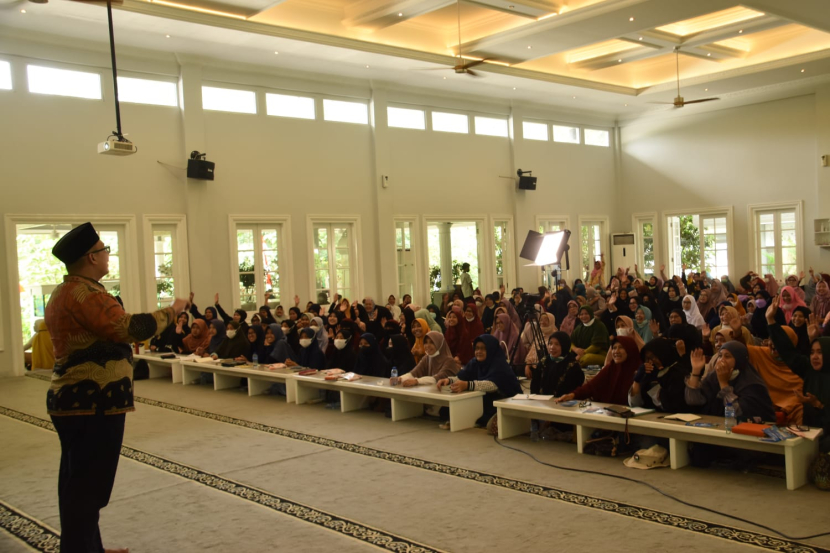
(466, 284)
(92, 385)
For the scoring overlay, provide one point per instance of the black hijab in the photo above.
(280, 350)
(432, 308)
(269, 318)
(345, 358)
(400, 355)
(370, 361)
(494, 368)
(257, 346)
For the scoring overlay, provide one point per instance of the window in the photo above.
(258, 244)
(596, 137)
(345, 112)
(5, 75)
(282, 105)
(555, 225)
(490, 126)
(450, 122)
(333, 255)
(534, 131)
(146, 91)
(776, 242)
(593, 243)
(228, 99)
(405, 257)
(551, 226)
(566, 134)
(163, 263)
(461, 240)
(644, 231)
(406, 118)
(62, 82)
(699, 241)
(501, 241)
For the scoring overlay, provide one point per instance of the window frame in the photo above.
(10, 89)
(432, 128)
(589, 128)
(702, 213)
(156, 78)
(548, 132)
(753, 210)
(570, 126)
(358, 101)
(417, 251)
(509, 256)
(424, 112)
(181, 257)
(605, 244)
(283, 225)
(637, 220)
(228, 86)
(565, 221)
(275, 92)
(64, 67)
(355, 262)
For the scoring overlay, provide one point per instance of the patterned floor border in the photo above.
(605, 505)
(32, 532)
(343, 526)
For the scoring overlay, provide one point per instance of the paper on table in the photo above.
(538, 397)
(685, 417)
(811, 434)
(641, 411)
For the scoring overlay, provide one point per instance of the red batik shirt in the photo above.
(91, 336)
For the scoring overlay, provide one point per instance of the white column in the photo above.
(445, 240)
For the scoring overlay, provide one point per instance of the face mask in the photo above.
(470, 319)
(734, 375)
(365, 349)
(434, 354)
(665, 288)
(761, 303)
(305, 342)
(623, 331)
(314, 328)
(285, 330)
(231, 334)
(339, 343)
(478, 303)
(432, 315)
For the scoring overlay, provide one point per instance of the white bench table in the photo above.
(465, 408)
(161, 368)
(514, 417)
(259, 379)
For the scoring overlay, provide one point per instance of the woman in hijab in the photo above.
(612, 383)
(210, 313)
(660, 382)
(814, 370)
(239, 315)
(459, 342)
(789, 300)
(474, 324)
(431, 318)
(488, 313)
(400, 357)
(320, 334)
(342, 355)
(434, 313)
(758, 322)
(256, 340)
(642, 320)
(435, 364)
(560, 374)
(800, 318)
(512, 313)
(310, 354)
(171, 337)
(277, 348)
(234, 345)
(781, 382)
(265, 315)
(729, 318)
(408, 320)
(682, 331)
(487, 372)
(820, 304)
(508, 335)
(589, 340)
(292, 335)
(294, 314)
(420, 329)
(570, 319)
(734, 381)
(217, 331)
(43, 354)
(691, 311)
(370, 361)
(198, 339)
(625, 327)
(547, 324)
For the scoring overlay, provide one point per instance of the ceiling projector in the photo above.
(114, 147)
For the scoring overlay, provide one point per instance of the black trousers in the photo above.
(90, 448)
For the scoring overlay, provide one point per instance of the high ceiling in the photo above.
(614, 57)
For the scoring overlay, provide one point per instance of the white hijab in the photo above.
(693, 316)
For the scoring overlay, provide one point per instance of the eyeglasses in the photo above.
(798, 428)
(104, 249)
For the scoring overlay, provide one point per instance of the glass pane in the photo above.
(5, 75)
(282, 105)
(534, 131)
(566, 134)
(450, 122)
(146, 91)
(767, 239)
(594, 137)
(228, 99)
(62, 82)
(788, 219)
(406, 118)
(346, 112)
(788, 256)
(490, 126)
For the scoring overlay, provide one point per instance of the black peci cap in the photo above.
(75, 243)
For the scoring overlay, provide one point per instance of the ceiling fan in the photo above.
(461, 68)
(679, 102)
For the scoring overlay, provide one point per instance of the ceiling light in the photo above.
(803, 70)
(400, 14)
(529, 47)
(276, 53)
(626, 105)
(705, 90)
(166, 36)
(445, 78)
(197, 9)
(631, 19)
(22, 11)
(641, 38)
(367, 67)
(574, 97)
(619, 61)
(514, 88)
(740, 32)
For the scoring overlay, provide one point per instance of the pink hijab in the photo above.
(795, 301)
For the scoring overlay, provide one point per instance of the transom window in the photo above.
(258, 249)
(64, 82)
(404, 118)
(5, 75)
(284, 105)
(228, 99)
(569, 135)
(450, 122)
(147, 91)
(346, 112)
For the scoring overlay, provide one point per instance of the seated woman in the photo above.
(508, 336)
(547, 324)
(456, 336)
(239, 315)
(255, 320)
(487, 372)
(642, 323)
(234, 345)
(561, 373)
(435, 315)
(198, 339)
(436, 363)
(320, 334)
(343, 355)
(400, 357)
(370, 361)
(170, 340)
(590, 339)
(420, 328)
(781, 382)
(813, 369)
(788, 301)
(612, 383)
(277, 349)
(625, 327)
(731, 319)
(292, 335)
(570, 320)
(265, 315)
(256, 341)
(693, 316)
(660, 383)
(42, 355)
(801, 315)
(310, 355)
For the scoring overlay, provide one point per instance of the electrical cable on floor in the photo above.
(664, 494)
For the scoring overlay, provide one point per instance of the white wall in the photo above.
(753, 154)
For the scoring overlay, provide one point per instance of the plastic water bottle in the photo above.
(729, 417)
(255, 359)
(394, 379)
